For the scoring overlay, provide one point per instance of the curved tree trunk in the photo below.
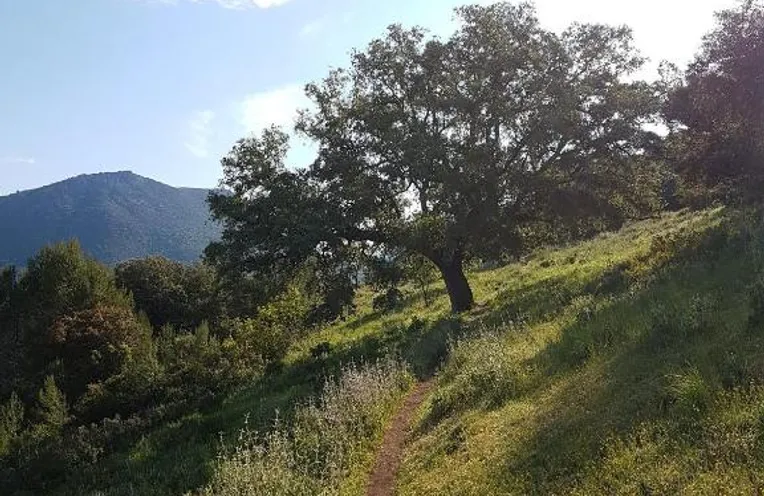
(458, 287)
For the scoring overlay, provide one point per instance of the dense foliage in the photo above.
(170, 292)
(449, 149)
(79, 349)
(717, 108)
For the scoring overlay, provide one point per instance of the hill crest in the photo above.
(114, 215)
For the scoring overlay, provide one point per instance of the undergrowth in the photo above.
(315, 452)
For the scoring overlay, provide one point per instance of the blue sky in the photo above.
(164, 87)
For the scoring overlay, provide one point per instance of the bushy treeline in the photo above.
(91, 354)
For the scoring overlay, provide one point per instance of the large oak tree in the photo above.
(446, 148)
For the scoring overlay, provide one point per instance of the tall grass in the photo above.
(481, 370)
(314, 452)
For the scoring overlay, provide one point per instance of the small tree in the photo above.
(171, 292)
(93, 345)
(52, 411)
(60, 280)
(420, 272)
(445, 148)
(11, 421)
(388, 270)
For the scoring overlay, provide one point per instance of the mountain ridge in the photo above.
(114, 215)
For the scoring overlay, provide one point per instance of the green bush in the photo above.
(276, 325)
(321, 350)
(52, 412)
(171, 292)
(201, 366)
(688, 392)
(390, 300)
(60, 280)
(96, 344)
(268, 341)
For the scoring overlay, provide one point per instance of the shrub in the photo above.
(314, 453)
(613, 280)
(269, 334)
(171, 292)
(689, 392)
(52, 412)
(333, 287)
(270, 342)
(135, 389)
(390, 300)
(60, 280)
(321, 350)
(11, 422)
(96, 344)
(200, 366)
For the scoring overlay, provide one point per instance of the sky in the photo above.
(165, 87)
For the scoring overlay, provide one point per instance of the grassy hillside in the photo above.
(628, 364)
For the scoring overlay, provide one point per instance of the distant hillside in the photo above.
(115, 216)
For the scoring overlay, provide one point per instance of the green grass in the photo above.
(628, 364)
(642, 383)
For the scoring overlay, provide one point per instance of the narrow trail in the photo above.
(390, 454)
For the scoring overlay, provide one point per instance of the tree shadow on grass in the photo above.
(608, 372)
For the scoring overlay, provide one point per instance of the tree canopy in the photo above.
(171, 292)
(717, 108)
(450, 148)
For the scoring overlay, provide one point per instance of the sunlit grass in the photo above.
(648, 386)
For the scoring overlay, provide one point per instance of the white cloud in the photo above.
(199, 133)
(16, 160)
(278, 106)
(313, 27)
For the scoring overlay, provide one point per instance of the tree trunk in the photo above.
(458, 287)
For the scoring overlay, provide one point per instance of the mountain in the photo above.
(115, 216)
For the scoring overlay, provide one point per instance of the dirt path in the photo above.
(382, 480)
